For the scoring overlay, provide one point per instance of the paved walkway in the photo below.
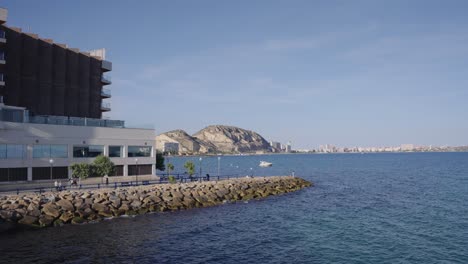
(93, 180)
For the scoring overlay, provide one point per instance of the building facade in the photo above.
(44, 151)
(171, 147)
(51, 105)
(50, 78)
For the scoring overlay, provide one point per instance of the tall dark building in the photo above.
(51, 104)
(49, 78)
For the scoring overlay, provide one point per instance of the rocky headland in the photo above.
(216, 139)
(78, 206)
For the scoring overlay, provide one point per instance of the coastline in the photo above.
(79, 207)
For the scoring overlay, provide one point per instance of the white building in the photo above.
(171, 147)
(39, 151)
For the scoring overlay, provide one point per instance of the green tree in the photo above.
(190, 167)
(170, 168)
(80, 170)
(103, 166)
(160, 162)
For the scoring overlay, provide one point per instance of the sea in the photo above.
(364, 208)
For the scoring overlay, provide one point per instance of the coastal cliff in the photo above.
(187, 143)
(230, 139)
(77, 207)
(216, 139)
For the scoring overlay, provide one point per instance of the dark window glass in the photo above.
(88, 151)
(139, 151)
(115, 151)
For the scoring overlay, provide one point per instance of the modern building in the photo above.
(171, 147)
(275, 146)
(51, 105)
(288, 148)
(49, 78)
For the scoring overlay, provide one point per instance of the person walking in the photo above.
(56, 185)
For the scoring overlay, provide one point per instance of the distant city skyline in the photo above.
(364, 73)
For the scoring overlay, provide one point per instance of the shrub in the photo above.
(103, 166)
(190, 167)
(81, 170)
(172, 179)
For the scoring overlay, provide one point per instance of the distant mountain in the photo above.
(216, 139)
(230, 139)
(187, 143)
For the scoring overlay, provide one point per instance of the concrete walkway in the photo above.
(65, 182)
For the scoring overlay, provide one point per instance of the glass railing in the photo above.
(9, 114)
(105, 105)
(106, 92)
(106, 78)
(76, 121)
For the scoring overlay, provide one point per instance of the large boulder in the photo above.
(51, 210)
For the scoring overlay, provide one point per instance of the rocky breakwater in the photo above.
(77, 207)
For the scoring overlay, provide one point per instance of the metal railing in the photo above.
(179, 178)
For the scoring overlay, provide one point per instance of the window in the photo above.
(2, 55)
(139, 151)
(58, 151)
(3, 152)
(115, 151)
(50, 151)
(90, 151)
(11, 151)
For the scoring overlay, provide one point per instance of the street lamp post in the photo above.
(51, 161)
(201, 168)
(219, 161)
(136, 162)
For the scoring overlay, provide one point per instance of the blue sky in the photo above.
(349, 73)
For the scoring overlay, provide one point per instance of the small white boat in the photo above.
(265, 164)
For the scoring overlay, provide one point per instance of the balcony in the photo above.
(105, 107)
(105, 80)
(105, 93)
(2, 57)
(106, 66)
(2, 36)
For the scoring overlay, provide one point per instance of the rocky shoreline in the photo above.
(79, 206)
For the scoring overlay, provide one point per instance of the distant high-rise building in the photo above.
(276, 146)
(407, 147)
(288, 147)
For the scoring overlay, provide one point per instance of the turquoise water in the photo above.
(372, 208)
